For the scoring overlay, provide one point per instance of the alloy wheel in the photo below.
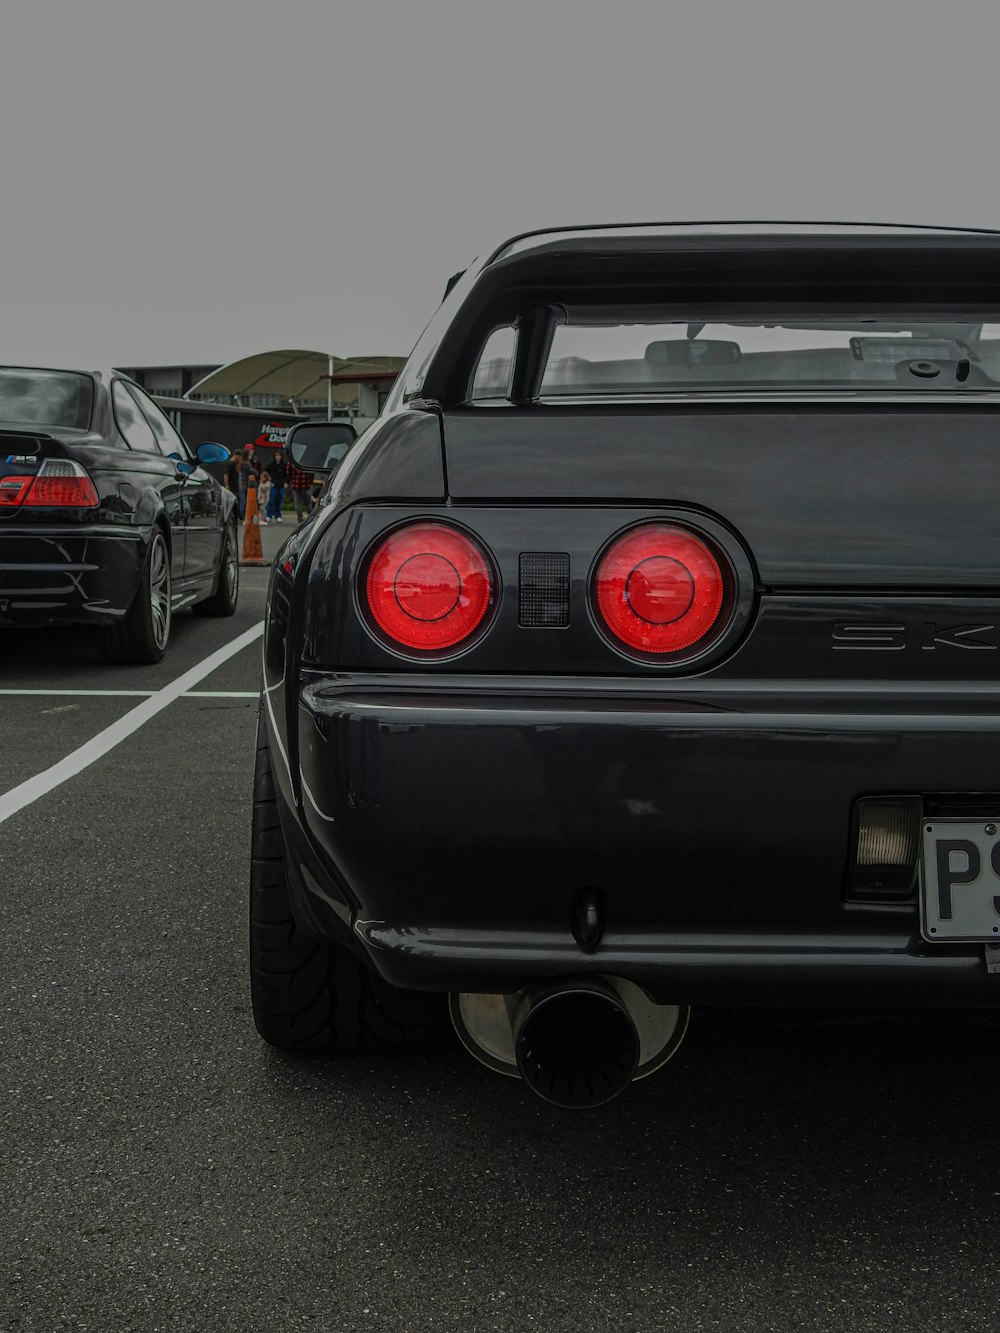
(159, 591)
(232, 564)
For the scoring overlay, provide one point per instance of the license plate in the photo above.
(960, 880)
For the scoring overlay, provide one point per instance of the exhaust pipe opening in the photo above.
(577, 1041)
(576, 1046)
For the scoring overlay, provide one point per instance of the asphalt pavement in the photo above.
(164, 1170)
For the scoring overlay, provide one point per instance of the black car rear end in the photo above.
(724, 726)
(106, 517)
(66, 550)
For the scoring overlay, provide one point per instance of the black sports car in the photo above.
(106, 518)
(644, 653)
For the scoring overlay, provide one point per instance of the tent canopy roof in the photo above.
(293, 374)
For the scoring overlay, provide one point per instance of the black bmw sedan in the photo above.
(645, 654)
(106, 517)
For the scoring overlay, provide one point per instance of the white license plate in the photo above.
(960, 880)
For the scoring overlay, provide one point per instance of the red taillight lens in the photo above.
(659, 589)
(12, 490)
(59, 483)
(62, 492)
(428, 587)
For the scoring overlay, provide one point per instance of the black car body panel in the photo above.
(918, 483)
(440, 813)
(83, 565)
(722, 826)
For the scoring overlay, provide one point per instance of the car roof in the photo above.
(625, 233)
(60, 370)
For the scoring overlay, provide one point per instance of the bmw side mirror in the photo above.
(319, 446)
(213, 453)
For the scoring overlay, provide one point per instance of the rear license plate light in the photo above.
(886, 849)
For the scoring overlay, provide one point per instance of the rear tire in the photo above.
(308, 994)
(223, 601)
(141, 638)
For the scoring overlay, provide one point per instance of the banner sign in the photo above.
(272, 436)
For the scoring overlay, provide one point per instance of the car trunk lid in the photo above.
(834, 497)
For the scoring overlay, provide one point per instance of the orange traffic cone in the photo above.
(253, 552)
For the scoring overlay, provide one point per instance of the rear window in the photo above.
(45, 398)
(596, 353)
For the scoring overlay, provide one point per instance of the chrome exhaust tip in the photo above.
(578, 1042)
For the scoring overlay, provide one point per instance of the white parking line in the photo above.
(110, 694)
(18, 797)
(221, 694)
(127, 694)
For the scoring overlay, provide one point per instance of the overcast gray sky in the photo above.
(196, 182)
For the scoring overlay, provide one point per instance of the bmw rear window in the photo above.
(54, 398)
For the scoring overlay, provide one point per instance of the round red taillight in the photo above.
(659, 589)
(428, 587)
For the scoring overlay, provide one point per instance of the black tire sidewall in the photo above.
(309, 994)
(221, 602)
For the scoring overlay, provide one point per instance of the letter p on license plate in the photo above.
(960, 880)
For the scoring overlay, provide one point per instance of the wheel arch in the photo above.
(150, 514)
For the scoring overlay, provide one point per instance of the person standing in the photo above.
(264, 494)
(248, 469)
(278, 474)
(231, 476)
(300, 482)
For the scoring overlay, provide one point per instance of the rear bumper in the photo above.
(51, 575)
(448, 831)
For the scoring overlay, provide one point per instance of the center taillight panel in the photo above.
(613, 590)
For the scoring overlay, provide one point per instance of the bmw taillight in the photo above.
(60, 483)
(428, 587)
(13, 490)
(660, 590)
